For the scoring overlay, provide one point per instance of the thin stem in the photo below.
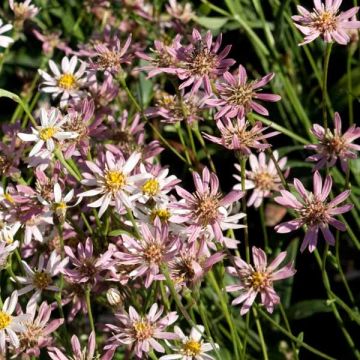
(263, 225)
(261, 335)
(349, 86)
(244, 207)
(182, 140)
(324, 84)
(88, 304)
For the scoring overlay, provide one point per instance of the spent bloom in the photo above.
(263, 177)
(314, 211)
(48, 132)
(10, 325)
(206, 207)
(67, 82)
(200, 62)
(192, 347)
(326, 21)
(238, 96)
(241, 135)
(5, 41)
(142, 332)
(258, 279)
(334, 145)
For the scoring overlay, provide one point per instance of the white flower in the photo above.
(66, 82)
(5, 41)
(49, 130)
(114, 182)
(5, 251)
(192, 347)
(24, 10)
(10, 325)
(42, 278)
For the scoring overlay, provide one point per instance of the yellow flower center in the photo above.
(162, 214)
(67, 81)
(192, 348)
(207, 208)
(47, 133)
(151, 187)
(154, 253)
(5, 320)
(114, 180)
(143, 329)
(325, 21)
(41, 280)
(264, 181)
(259, 279)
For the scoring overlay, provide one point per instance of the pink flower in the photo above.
(206, 207)
(200, 62)
(334, 145)
(326, 21)
(313, 211)
(142, 332)
(258, 279)
(237, 96)
(241, 135)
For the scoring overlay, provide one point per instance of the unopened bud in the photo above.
(114, 297)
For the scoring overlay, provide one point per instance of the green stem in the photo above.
(61, 158)
(263, 225)
(349, 85)
(182, 140)
(261, 335)
(244, 208)
(88, 304)
(324, 84)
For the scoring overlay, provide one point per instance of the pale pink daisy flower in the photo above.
(48, 132)
(142, 332)
(200, 62)
(11, 325)
(5, 41)
(258, 279)
(237, 96)
(326, 21)
(192, 347)
(206, 207)
(183, 13)
(241, 135)
(5, 251)
(68, 82)
(23, 10)
(334, 145)
(114, 183)
(7, 233)
(41, 278)
(314, 211)
(263, 177)
(146, 255)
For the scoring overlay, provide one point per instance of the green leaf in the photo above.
(212, 23)
(307, 308)
(119, 232)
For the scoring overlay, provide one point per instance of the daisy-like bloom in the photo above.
(142, 332)
(237, 96)
(38, 329)
(51, 41)
(7, 233)
(23, 11)
(334, 145)
(326, 21)
(180, 12)
(206, 207)
(115, 183)
(68, 82)
(192, 347)
(5, 41)
(148, 253)
(85, 266)
(10, 325)
(79, 353)
(263, 177)
(5, 251)
(241, 136)
(41, 278)
(200, 62)
(258, 279)
(314, 211)
(48, 132)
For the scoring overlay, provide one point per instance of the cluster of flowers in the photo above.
(126, 223)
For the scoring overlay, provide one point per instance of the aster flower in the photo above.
(11, 325)
(183, 13)
(23, 11)
(142, 332)
(258, 279)
(200, 62)
(78, 353)
(237, 96)
(148, 253)
(206, 207)
(314, 211)
(241, 135)
(42, 277)
(326, 21)
(192, 347)
(263, 177)
(7, 233)
(115, 183)
(334, 145)
(5, 41)
(48, 132)
(5, 251)
(67, 82)
(51, 41)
